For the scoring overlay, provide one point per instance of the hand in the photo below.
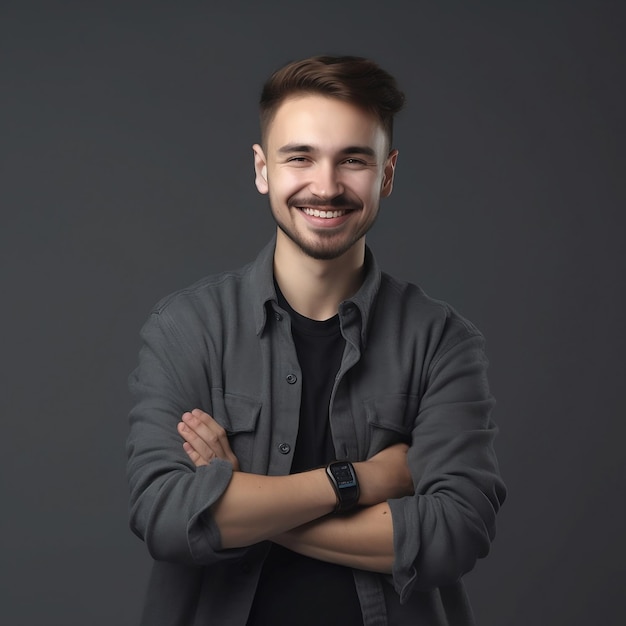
(386, 475)
(205, 439)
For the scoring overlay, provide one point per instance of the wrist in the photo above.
(371, 492)
(345, 483)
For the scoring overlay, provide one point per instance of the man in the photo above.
(311, 440)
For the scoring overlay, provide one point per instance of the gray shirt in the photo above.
(412, 370)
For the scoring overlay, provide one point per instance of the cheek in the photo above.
(287, 184)
(368, 188)
(280, 190)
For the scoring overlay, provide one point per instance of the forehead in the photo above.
(325, 123)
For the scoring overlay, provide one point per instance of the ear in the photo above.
(389, 170)
(260, 169)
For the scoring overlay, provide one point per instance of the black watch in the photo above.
(345, 483)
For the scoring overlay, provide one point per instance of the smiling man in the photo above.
(311, 441)
(329, 163)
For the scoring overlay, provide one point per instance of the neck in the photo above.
(315, 288)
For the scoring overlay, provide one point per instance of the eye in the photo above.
(354, 162)
(297, 159)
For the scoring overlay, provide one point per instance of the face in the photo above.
(325, 167)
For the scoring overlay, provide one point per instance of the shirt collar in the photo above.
(365, 298)
(262, 286)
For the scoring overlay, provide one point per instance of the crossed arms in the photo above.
(195, 510)
(293, 510)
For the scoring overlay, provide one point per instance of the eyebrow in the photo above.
(291, 148)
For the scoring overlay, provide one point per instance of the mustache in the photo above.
(340, 202)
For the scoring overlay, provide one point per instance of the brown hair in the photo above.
(349, 78)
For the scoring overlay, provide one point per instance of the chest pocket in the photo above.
(390, 419)
(238, 416)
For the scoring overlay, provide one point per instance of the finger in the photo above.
(213, 435)
(218, 439)
(197, 460)
(192, 438)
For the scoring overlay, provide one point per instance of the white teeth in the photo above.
(325, 214)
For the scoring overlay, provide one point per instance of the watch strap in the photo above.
(344, 481)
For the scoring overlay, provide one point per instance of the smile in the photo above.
(324, 214)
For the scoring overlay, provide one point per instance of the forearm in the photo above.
(363, 539)
(254, 508)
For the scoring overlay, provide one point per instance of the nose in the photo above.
(325, 181)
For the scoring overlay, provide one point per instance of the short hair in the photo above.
(352, 79)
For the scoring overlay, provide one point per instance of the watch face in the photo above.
(343, 475)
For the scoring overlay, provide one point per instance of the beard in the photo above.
(327, 244)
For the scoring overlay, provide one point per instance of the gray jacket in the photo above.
(413, 370)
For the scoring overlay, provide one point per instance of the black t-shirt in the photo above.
(295, 589)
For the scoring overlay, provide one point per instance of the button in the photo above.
(291, 378)
(284, 448)
(278, 316)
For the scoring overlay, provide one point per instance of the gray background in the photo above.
(125, 136)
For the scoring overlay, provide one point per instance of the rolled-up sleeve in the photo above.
(449, 523)
(170, 499)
